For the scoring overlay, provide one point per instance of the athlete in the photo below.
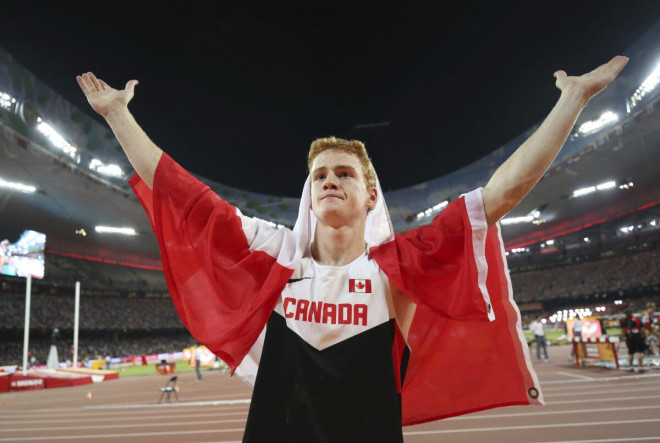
(347, 330)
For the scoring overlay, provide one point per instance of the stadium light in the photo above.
(606, 118)
(648, 85)
(516, 220)
(111, 230)
(591, 189)
(606, 185)
(584, 191)
(627, 229)
(6, 100)
(57, 140)
(111, 170)
(15, 186)
(433, 209)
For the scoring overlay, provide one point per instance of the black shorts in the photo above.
(635, 343)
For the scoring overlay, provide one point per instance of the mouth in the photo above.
(331, 196)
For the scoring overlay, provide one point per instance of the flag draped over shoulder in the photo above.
(226, 271)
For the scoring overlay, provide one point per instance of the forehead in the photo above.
(333, 158)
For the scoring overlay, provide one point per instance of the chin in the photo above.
(335, 218)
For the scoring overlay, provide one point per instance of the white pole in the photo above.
(75, 326)
(26, 333)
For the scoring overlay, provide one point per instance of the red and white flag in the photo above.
(357, 285)
(467, 348)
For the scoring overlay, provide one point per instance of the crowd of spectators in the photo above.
(95, 348)
(96, 313)
(630, 271)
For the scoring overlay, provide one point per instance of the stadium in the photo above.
(584, 244)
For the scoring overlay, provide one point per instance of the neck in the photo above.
(337, 246)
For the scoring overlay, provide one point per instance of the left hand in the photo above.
(591, 83)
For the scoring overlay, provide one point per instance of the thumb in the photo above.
(559, 74)
(130, 86)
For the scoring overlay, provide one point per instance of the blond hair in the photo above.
(354, 147)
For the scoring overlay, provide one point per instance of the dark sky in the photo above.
(236, 91)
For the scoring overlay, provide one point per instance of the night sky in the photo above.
(236, 91)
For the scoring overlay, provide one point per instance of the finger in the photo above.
(95, 81)
(560, 74)
(617, 64)
(86, 84)
(104, 85)
(613, 67)
(130, 85)
(82, 85)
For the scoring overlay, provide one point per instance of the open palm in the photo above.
(593, 82)
(101, 96)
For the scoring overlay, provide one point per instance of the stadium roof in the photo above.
(273, 68)
(236, 91)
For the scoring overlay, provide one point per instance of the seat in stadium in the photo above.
(167, 390)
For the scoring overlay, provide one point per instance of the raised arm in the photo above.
(518, 175)
(112, 104)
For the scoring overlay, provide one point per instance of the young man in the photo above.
(354, 330)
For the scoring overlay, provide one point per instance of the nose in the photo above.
(330, 181)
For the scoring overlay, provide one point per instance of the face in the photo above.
(339, 193)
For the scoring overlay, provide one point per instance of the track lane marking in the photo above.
(126, 425)
(133, 434)
(568, 374)
(517, 428)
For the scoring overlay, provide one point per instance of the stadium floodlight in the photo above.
(6, 100)
(606, 185)
(110, 170)
(626, 185)
(515, 220)
(648, 85)
(112, 230)
(652, 222)
(57, 140)
(433, 209)
(584, 191)
(606, 118)
(550, 242)
(15, 186)
(601, 187)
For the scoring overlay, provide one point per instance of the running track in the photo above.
(583, 405)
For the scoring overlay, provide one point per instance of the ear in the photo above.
(373, 197)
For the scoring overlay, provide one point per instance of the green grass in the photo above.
(558, 336)
(150, 369)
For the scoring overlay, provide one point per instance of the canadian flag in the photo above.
(214, 259)
(355, 285)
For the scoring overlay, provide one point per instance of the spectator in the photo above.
(538, 329)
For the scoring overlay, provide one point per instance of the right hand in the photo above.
(103, 98)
